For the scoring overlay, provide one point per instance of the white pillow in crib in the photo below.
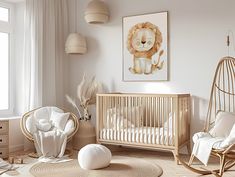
(123, 123)
(59, 120)
(134, 116)
(223, 124)
(169, 123)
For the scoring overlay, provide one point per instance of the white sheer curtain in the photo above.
(46, 29)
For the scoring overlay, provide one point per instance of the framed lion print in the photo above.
(145, 47)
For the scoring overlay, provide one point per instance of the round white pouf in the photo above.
(94, 156)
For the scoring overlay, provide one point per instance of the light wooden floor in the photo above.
(169, 166)
(166, 161)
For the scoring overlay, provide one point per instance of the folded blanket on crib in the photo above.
(50, 144)
(204, 143)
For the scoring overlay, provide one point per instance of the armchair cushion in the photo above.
(59, 120)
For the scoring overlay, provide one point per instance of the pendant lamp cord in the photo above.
(230, 33)
(75, 15)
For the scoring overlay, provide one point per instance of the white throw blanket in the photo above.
(50, 144)
(203, 145)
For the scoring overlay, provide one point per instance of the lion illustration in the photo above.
(144, 40)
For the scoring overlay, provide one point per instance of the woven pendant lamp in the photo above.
(75, 43)
(96, 12)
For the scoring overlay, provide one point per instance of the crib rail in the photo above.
(151, 120)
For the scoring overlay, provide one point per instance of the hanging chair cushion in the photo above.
(69, 127)
(30, 124)
(59, 120)
(230, 139)
(223, 124)
(46, 118)
(45, 112)
(44, 125)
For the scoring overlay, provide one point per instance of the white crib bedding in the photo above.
(147, 135)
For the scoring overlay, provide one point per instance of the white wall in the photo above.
(197, 34)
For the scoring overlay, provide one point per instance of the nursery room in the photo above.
(100, 88)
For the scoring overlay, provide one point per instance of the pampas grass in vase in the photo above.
(86, 94)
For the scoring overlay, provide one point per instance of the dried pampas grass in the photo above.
(86, 94)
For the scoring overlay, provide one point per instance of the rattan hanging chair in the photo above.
(222, 98)
(72, 127)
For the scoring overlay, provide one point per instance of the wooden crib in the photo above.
(150, 121)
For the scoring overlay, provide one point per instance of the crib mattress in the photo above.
(147, 135)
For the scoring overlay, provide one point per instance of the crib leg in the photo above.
(176, 153)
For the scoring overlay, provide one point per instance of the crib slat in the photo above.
(154, 123)
(152, 120)
(141, 119)
(117, 121)
(109, 125)
(129, 110)
(163, 120)
(167, 108)
(173, 121)
(159, 117)
(142, 132)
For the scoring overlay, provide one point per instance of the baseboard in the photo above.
(15, 148)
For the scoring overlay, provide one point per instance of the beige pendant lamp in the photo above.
(75, 43)
(96, 12)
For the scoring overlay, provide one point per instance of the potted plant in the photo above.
(86, 95)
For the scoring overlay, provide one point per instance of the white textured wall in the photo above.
(197, 32)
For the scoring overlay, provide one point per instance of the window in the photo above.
(4, 14)
(6, 28)
(4, 71)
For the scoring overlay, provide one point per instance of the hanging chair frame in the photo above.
(222, 98)
(29, 136)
